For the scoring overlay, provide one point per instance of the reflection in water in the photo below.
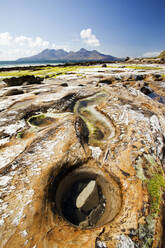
(157, 97)
(150, 92)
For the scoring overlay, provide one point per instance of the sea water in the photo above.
(29, 63)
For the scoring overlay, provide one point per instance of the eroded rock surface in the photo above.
(107, 126)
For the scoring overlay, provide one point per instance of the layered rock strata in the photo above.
(101, 130)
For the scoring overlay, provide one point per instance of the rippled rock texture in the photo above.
(56, 139)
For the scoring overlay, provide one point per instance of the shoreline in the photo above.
(66, 64)
(34, 67)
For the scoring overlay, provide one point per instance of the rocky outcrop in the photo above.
(55, 141)
(17, 81)
(162, 54)
(159, 60)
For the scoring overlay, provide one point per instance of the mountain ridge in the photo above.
(62, 55)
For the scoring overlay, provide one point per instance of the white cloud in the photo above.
(5, 39)
(12, 48)
(89, 38)
(27, 41)
(64, 47)
(151, 54)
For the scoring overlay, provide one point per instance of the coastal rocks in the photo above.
(107, 80)
(13, 92)
(146, 90)
(83, 165)
(146, 60)
(13, 81)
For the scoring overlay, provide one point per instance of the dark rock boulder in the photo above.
(107, 80)
(14, 81)
(13, 92)
(138, 77)
(64, 85)
(127, 58)
(146, 90)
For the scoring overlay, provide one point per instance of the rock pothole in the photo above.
(88, 199)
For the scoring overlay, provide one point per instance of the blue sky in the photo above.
(116, 27)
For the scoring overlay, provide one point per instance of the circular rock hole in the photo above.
(88, 199)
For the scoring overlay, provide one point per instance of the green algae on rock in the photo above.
(156, 187)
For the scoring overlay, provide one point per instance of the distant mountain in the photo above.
(61, 55)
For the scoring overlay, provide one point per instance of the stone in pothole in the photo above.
(88, 198)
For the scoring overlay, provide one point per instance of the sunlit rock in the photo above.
(83, 165)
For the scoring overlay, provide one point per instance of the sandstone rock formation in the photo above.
(55, 140)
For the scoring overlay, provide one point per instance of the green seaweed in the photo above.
(155, 186)
(35, 120)
(43, 72)
(52, 72)
(20, 135)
